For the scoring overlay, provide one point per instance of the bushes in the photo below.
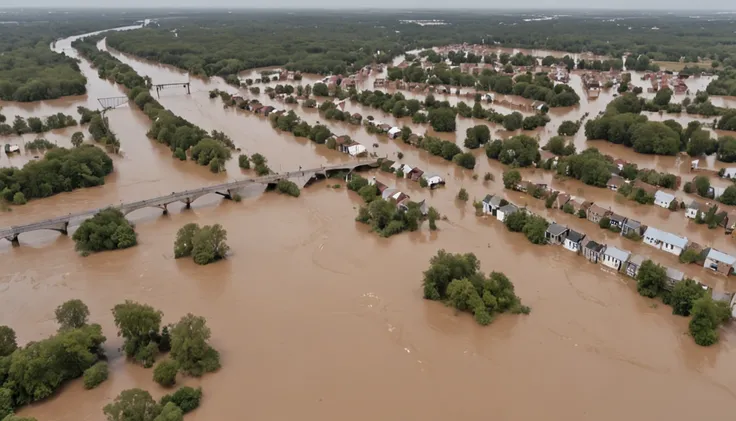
(186, 398)
(95, 375)
(243, 162)
(107, 230)
(465, 160)
(568, 128)
(707, 316)
(165, 373)
(205, 244)
(456, 280)
(520, 150)
(462, 195)
(288, 187)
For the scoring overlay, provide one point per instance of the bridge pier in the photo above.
(228, 195)
(165, 208)
(13, 240)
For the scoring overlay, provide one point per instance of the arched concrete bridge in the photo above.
(227, 190)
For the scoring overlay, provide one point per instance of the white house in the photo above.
(356, 149)
(614, 257)
(12, 148)
(505, 211)
(397, 166)
(663, 199)
(720, 262)
(574, 241)
(433, 180)
(394, 132)
(666, 241)
(729, 172)
(491, 203)
(695, 208)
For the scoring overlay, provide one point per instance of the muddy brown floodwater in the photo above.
(316, 318)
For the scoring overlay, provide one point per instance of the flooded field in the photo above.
(317, 318)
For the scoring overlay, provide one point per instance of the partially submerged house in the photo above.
(614, 257)
(666, 241)
(561, 200)
(663, 199)
(592, 251)
(635, 261)
(505, 211)
(719, 262)
(556, 233)
(433, 180)
(595, 213)
(574, 241)
(673, 277)
(616, 220)
(631, 226)
(615, 182)
(696, 208)
(491, 203)
(394, 132)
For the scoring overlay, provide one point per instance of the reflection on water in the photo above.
(314, 310)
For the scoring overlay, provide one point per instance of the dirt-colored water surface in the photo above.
(318, 319)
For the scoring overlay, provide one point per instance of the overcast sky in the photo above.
(406, 4)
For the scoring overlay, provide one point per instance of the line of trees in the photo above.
(178, 134)
(22, 125)
(139, 405)
(456, 280)
(60, 170)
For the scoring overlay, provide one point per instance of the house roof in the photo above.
(510, 208)
(661, 196)
(563, 198)
(697, 205)
(638, 184)
(556, 229)
(617, 217)
(595, 209)
(632, 223)
(592, 245)
(637, 259)
(675, 274)
(394, 130)
(575, 236)
(666, 237)
(617, 253)
(721, 296)
(722, 257)
(616, 180)
(488, 198)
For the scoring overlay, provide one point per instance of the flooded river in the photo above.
(316, 318)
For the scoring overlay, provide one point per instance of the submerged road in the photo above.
(227, 190)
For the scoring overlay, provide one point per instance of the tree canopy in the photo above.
(205, 244)
(72, 314)
(138, 324)
(107, 230)
(190, 348)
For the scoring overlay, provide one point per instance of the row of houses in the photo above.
(615, 258)
(414, 173)
(397, 197)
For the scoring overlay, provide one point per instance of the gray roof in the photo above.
(721, 296)
(575, 236)
(556, 229)
(666, 237)
(617, 253)
(592, 245)
(492, 200)
(617, 217)
(487, 199)
(632, 223)
(510, 208)
(722, 257)
(675, 274)
(661, 196)
(637, 259)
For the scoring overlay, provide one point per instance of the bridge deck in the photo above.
(183, 196)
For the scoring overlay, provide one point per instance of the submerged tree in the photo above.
(137, 324)
(72, 314)
(132, 405)
(206, 244)
(189, 346)
(107, 230)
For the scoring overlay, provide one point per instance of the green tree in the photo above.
(465, 160)
(651, 279)
(683, 296)
(702, 185)
(19, 199)
(170, 412)
(535, 229)
(320, 89)
(77, 139)
(707, 316)
(186, 398)
(165, 373)
(72, 314)
(135, 323)
(189, 347)
(6, 402)
(7, 341)
(184, 243)
(132, 405)
(107, 230)
(729, 196)
(513, 121)
(442, 119)
(516, 221)
(511, 178)
(95, 375)
(462, 195)
(208, 244)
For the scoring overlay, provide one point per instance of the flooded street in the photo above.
(317, 318)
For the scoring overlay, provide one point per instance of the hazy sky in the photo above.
(406, 4)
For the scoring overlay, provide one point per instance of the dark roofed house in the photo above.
(632, 267)
(595, 213)
(574, 240)
(592, 251)
(616, 220)
(491, 203)
(556, 233)
(415, 174)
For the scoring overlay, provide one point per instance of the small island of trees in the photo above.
(204, 244)
(456, 280)
(107, 230)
